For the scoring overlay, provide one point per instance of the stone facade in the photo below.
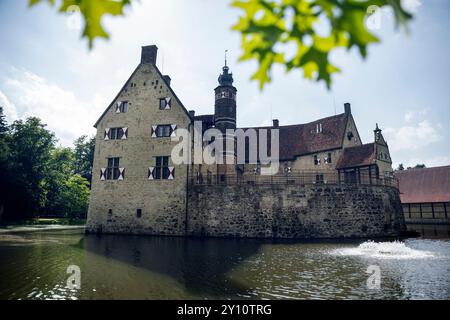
(294, 211)
(114, 203)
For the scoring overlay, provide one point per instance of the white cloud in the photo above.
(9, 109)
(412, 137)
(414, 114)
(63, 112)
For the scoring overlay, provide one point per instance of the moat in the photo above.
(34, 266)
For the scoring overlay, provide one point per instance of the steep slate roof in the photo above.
(358, 156)
(302, 139)
(424, 185)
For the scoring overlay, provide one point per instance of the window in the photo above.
(124, 106)
(112, 171)
(319, 178)
(318, 128)
(328, 158)
(164, 103)
(161, 170)
(162, 167)
(138, 213)
(316, 160)
(121, 106)
(349, 135)
(164, 130)
(116, 133)
(109, 215)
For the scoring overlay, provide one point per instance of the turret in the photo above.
(225, 101)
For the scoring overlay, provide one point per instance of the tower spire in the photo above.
(226, 57)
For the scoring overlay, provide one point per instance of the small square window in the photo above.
(316, 160)
(163, 130)
(319, 178)
(116, 133)
(124, 106)
(164, 103)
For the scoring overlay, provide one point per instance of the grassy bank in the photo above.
(46, 221)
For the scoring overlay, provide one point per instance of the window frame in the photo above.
(316, 160)
(161, 171)
(163, 130)
(112, 168)
(167, 103)
(116, 133)
(328, 159)
(124, 107)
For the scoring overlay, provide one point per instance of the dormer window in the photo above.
(318, 128)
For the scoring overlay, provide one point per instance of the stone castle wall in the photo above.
(294, 211)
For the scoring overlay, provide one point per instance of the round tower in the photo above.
(225, 101)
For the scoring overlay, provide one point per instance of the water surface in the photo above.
(34, 266)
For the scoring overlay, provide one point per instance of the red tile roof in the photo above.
(424, 185)
(302, 139)
(357, 156)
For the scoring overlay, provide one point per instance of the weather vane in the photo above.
(226, 57)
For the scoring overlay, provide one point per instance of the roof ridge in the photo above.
(298, 124)
(361, 145)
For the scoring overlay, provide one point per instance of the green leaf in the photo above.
(266, 24)
(92, 11)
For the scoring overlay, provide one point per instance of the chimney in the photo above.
(347, 108)
(276, 123)
(148, 54)
(167, 79)
(192, 113)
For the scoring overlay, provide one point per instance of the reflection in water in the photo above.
(200, 265)
(34, 266)
(433, 231)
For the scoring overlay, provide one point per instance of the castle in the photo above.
(327, 183)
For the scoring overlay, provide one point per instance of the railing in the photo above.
(316, 178)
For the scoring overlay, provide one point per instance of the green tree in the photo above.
(30, 149)
(74, 197)
(84, 156)
(400, 167)
(267, 26)
(417, 166)
(4, 178)
(3, 138)
(59, 168)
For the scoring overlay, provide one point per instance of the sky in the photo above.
(47, 70)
